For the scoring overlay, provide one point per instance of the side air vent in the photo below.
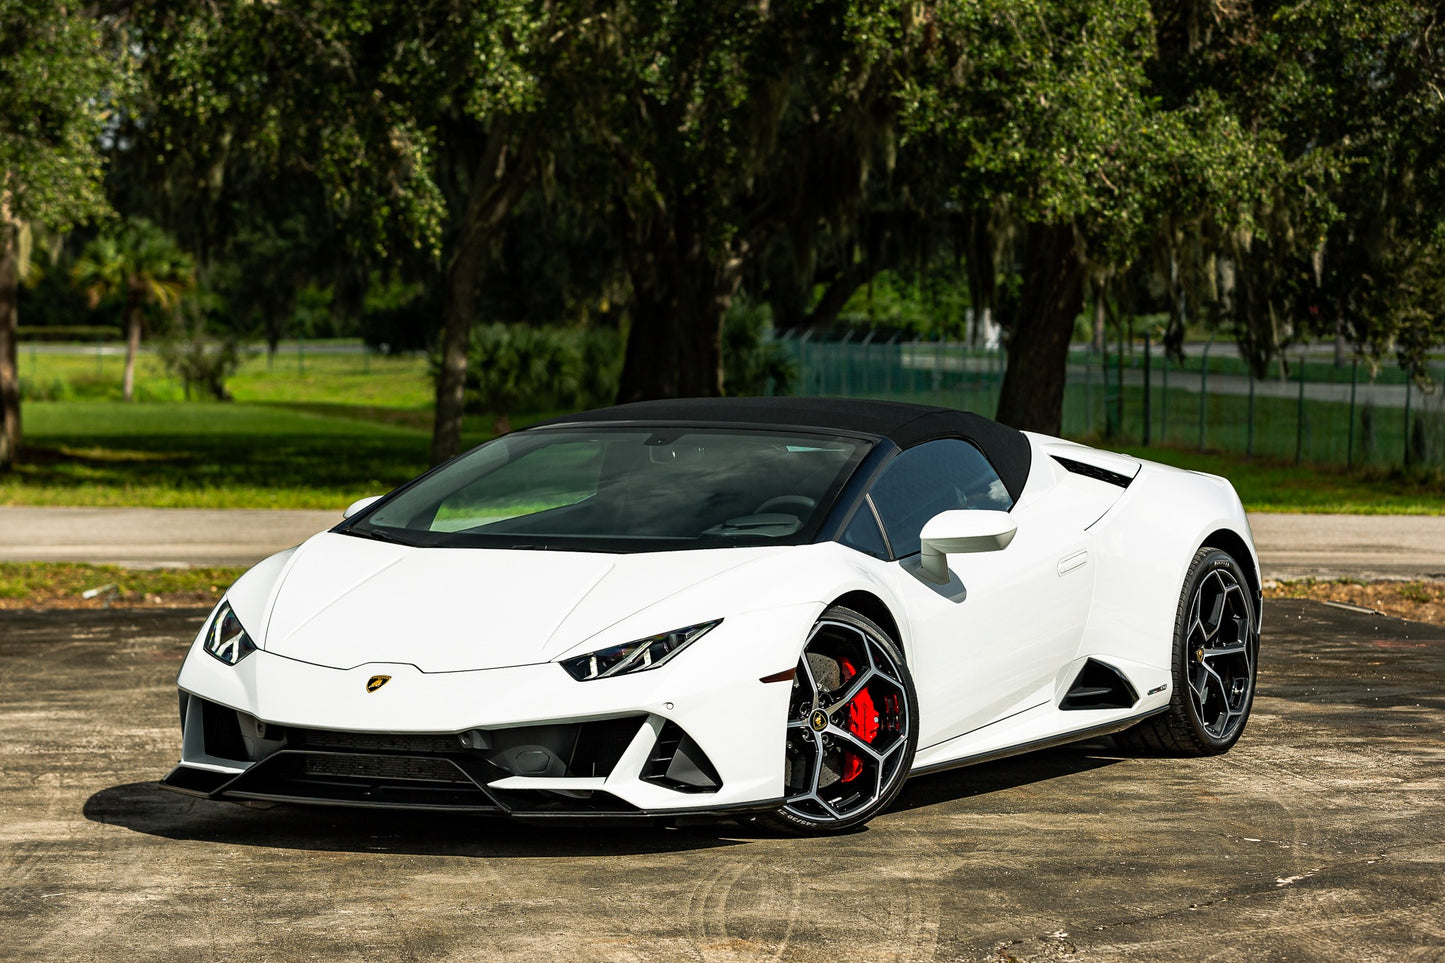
(1099, 686)
(1094, 471)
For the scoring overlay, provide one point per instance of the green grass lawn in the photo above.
(320, 430)
(48, 583)
(352, 379)
(205, 455)
(210, 455)
(1273, 485)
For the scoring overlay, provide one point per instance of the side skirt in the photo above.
(1063, 739)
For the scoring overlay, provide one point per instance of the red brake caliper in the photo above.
(862, 722)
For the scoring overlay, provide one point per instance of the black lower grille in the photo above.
(382, 742)
(359, 780)
(387, 768)
(438, 770)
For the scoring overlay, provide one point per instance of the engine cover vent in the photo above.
(1094, 471)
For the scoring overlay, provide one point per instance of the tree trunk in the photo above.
(1032, 395)
(674, 348)
(132, 347)
(978, 262)
(681, 291)
(461, 288)
(837, 294)
(502, 173)
(9, 323)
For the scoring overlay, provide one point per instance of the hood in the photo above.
(345, 601)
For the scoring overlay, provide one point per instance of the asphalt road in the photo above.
(1321, 836)
(1290, 546)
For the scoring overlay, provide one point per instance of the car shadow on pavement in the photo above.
(144, 807)
(1010, 773)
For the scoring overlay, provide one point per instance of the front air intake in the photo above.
(679, 763)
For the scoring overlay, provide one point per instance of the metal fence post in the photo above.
(1164, 401)
(1119, 388)
(938, 370)
(1408, 383)
(1249, 434)
(1350, 445)
(1204, 389)
(1107, 404)
(868, 362)
(1148, 413)
(1299, 421)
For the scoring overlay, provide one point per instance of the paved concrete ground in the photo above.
(1290, 546)
(1350, 546)
(153, 537)
(1320, 837)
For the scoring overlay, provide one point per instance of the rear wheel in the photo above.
(1216, 654)
(852, 727)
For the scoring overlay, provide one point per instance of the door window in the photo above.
(936, 476)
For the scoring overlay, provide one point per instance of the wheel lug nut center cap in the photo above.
(819, 721)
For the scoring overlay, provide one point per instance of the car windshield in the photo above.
(623, 490)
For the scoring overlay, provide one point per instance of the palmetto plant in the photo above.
(140, 266)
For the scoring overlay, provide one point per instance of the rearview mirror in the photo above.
(361, 504)
(958, 531)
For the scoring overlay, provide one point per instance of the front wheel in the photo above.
(852, 727)
(1216, 655)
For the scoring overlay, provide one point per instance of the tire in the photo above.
(1215, 661)
(852, 728)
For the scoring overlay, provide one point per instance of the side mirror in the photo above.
(958, 531)
(360, 505)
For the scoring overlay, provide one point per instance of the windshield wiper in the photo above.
(381, 535)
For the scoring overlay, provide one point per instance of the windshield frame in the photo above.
(821, 520)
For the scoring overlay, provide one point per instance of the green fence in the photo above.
(1311, 411)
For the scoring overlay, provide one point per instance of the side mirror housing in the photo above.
(959, 531)
(361, 504)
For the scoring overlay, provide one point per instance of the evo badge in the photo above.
(376, 682)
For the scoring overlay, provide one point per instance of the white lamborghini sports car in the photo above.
(780, 608)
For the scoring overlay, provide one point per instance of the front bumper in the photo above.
(703, 733)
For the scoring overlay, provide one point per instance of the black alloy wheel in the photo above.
(1216, 659)
(852, 727)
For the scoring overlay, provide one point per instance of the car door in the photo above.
(989, 643)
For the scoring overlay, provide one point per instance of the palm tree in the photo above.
(140, 266)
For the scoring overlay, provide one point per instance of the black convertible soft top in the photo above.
(904, 424)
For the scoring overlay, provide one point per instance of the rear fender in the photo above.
(1145, 546)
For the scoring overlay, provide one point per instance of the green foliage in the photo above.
(57, 87)
(1054, 110)
(1341, 236)
(202, 361)
(139, 267)
(931, 302)
(515, 368)
(753, 363)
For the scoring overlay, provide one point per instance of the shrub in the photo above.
(753, 363)
(200, 360)
(514, 368)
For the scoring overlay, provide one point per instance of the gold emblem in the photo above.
(376, 682)
(819, 720)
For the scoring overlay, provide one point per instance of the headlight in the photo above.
(639, 656)
(225, 639)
